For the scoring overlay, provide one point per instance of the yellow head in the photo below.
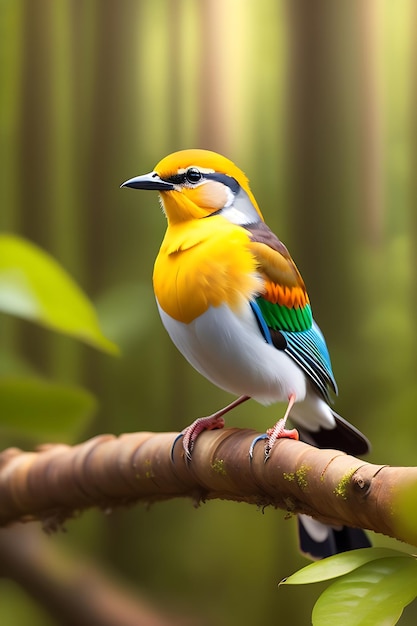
(197, 183)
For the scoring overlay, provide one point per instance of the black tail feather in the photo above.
(318, 541)
(343, 437)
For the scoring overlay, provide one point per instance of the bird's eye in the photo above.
(193, 175)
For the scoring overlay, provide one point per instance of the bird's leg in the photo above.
(276, 432)
(279, 431)
(210, 422)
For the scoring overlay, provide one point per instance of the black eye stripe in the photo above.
(193, 175)
(176, 179)
(229, 181)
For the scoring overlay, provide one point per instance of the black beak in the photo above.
(148, 181)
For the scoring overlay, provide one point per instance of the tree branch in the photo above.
(74, 592)
(53, 483)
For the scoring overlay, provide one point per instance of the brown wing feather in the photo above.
(284, 284)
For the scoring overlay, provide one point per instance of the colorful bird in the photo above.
(235, 305)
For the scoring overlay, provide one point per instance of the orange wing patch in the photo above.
(291, 297)
(283, 282)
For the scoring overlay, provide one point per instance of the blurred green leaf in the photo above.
(13, 363)
(405, 505)
(127, 310)
(338, 565)
(42, 408)
(375, 593)
(35, 287)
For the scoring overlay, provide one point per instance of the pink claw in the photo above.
(279, 431)
(211, 422)
(191, 433)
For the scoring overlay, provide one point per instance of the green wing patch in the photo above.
(280, 317)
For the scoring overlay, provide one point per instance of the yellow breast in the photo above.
(203, 263)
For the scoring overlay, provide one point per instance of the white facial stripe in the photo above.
(239, 209)
(188, 185)
(230, 197)
(235, 216)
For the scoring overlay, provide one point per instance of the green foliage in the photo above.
(337, 565)
(372, 586)
(35, 287)
(127, 310)
(40, 408)
(405, 507)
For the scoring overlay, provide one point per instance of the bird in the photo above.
(235, 305)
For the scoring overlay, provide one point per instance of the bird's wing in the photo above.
(283, 311)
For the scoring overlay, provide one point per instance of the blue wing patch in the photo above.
(308, 349)
(261, 322)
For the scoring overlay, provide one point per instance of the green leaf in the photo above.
(15, 364)
(42, 408)
(375, 593)
(35, 287)
(127, 323)
(338, 565)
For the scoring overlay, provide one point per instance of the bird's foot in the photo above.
(271, 436)
(276, 432)
(279, 432)
(189, 435)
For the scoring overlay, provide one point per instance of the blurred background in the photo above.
(316, 102)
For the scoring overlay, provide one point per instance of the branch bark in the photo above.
(55, 482)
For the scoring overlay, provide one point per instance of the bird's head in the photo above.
(198, 183)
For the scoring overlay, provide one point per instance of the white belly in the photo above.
(230, 351)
